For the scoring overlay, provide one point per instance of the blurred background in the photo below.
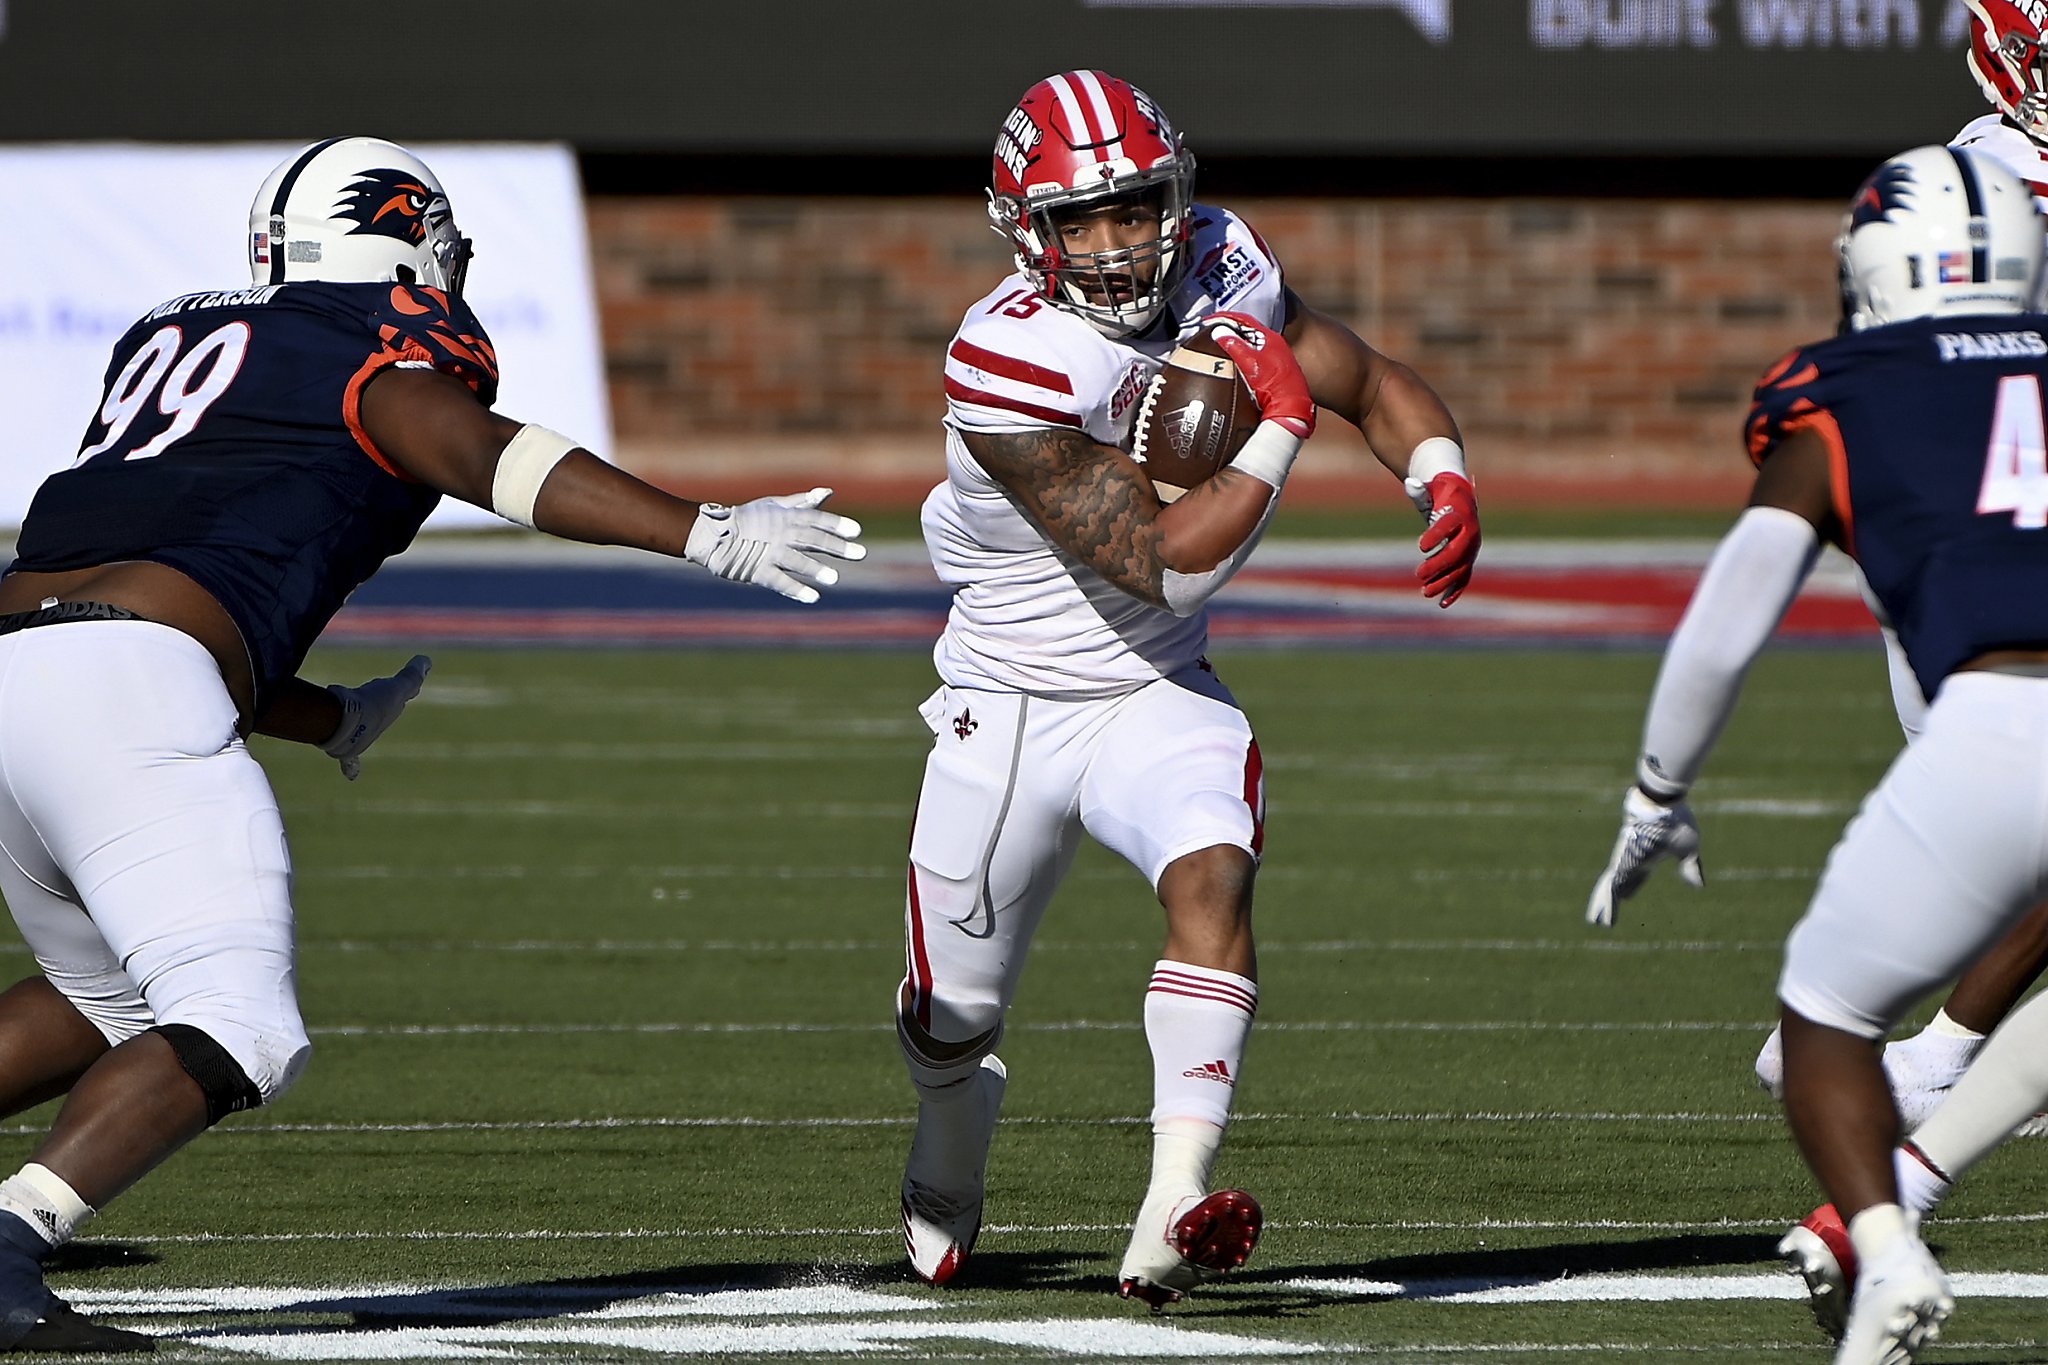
(731, 242)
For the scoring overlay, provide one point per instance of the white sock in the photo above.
(1922, 1184)
(1943, 1026)
(46, 1202)
(2004, 1087)
(1876, 1228)
(1196, 1022)
(1932, 1059)
(1183, 1155)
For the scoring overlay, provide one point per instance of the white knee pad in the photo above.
(943, 1041)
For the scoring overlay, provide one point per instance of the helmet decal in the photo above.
(387, 202)
(1938, 232)
(1890, 189)
(355, 209)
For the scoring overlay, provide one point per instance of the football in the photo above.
(1195, 416)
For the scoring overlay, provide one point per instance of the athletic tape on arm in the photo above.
(1268, 454)
(1753, 577)
(1437, 455)
(1186, 592)
(523, 466)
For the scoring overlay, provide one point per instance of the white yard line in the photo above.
(238, 1129)
(1033, 1230)
(1055, 1026)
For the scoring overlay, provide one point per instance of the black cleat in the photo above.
(61, 1330)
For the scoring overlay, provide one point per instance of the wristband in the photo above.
(1657, 784)
(1437, 455)
(1269, 454)
(523, 466)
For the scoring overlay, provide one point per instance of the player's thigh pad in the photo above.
(993, 836)
(1945, 855)
(127, 793)
(1178, 770)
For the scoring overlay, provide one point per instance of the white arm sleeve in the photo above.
(1186, 592)
(1753, 577)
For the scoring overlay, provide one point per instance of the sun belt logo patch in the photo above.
(386, 203)
(1891, 188)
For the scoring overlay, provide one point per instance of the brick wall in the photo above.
(1583, 345)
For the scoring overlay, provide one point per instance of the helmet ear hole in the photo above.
(407, 275)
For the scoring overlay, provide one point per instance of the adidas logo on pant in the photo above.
(1212, 1071)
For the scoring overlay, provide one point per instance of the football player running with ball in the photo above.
(1076, 696)
(1913, 441)
(258, 454)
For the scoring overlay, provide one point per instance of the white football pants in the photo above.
(1011, 783)
(145, 861)
(1947, 853)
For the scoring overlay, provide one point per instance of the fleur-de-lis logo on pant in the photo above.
(965, 724)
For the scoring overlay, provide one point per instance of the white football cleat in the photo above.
(1820, 1250)
(947, 1171)
(1901, 1300)
(1181, 1241)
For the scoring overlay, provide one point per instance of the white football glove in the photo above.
(1649, 833)
(368, 711)
(775, 542)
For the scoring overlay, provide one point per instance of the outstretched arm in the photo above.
(431, 426)
(1755, 573)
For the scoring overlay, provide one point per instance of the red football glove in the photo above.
(1269, 368)
(1450, 547)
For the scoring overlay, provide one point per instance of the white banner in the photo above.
(95, 235)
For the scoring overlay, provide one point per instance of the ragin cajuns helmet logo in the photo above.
(1891, 188)
(388, 203)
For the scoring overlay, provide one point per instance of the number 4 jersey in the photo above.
(229, 447)
(1934, 431)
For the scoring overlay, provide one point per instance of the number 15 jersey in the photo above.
(1026, 615)
(229, 446)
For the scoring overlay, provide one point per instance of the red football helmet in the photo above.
(1076, 140)
(2006, 59)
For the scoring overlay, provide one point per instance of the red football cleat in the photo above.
(1820, 1250)
(1201, 1238)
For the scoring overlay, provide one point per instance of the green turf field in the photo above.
(600, 952)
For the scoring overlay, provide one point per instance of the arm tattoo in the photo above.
(1087, 498)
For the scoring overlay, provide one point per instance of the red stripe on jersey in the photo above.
(960, 393)
(1255, 795)
(1005, 367)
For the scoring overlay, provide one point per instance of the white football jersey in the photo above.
(1026, 616)
(2009, 147)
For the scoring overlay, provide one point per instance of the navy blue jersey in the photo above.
(1934, 429)
(228, 447)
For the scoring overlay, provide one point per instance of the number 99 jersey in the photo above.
(1934, 429)
(229, 447)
